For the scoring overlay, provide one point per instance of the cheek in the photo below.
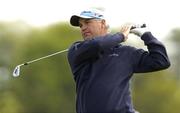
(100, 29)
(96, 29)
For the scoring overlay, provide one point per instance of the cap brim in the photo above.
(75, 19)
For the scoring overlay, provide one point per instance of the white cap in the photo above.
(86, 14)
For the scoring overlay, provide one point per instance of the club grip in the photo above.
(138, 26)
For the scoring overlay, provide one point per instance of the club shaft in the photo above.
(29, 62)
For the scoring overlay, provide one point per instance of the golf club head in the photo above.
(16, 71)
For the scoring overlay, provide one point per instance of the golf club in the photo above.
(16, 71)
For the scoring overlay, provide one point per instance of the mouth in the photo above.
(86, 34)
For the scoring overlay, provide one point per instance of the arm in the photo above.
(154, 59)
(82, 51)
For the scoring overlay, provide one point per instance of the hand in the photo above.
(125, 30)
(139, 31)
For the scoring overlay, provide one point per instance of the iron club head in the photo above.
(16, 71)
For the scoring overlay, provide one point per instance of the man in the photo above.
(102, 67)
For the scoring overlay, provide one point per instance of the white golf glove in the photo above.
(139, 31)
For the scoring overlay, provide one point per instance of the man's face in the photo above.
(91, 28)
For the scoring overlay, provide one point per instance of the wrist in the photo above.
(122, 36)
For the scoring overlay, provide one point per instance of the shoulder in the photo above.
(75, 45)
(72, 49)
(126, 47)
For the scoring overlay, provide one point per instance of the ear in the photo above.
(103, 23)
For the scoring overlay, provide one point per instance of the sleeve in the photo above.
(82, 51)
(154, 59)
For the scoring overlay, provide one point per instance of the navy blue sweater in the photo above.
(102, 68)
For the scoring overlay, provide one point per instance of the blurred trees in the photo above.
(48, 87)
(45, 86)
(174, 38)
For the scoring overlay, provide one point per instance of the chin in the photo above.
(88, 38)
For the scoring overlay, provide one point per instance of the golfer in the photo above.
(102, 67)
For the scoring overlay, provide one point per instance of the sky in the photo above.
(160, 16)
